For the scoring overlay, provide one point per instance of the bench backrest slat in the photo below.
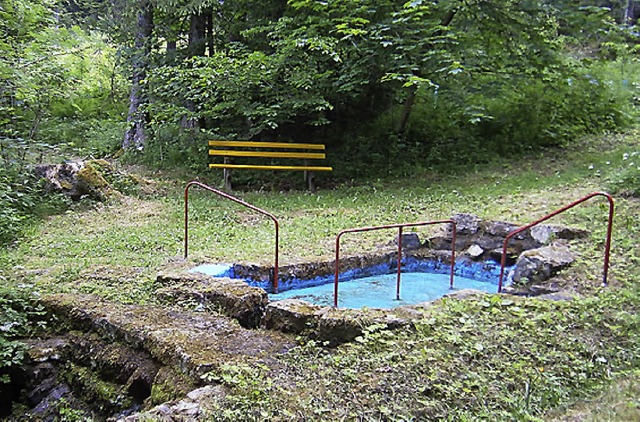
(251, 144)
(267, 154)
(269, 167)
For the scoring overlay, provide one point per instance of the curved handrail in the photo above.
(236, 200)
(391, 226)
(553, 214)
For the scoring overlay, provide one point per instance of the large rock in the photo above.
(77, 179)
(544, 233)
(498, 228)
(466, 224)
(93, 376)
(191, 408)
(192, 343)
(540, 264)
(234, 298)
(410, 241)
(328, 324)
(291, 315)
(474, 234)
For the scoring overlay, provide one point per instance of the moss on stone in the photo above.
(92, 177)
(169, 385)
(105, 395)
(91, 180)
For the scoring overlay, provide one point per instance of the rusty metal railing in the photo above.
(399, 227)
(607, 248)
(238, 201)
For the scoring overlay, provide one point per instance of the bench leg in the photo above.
(226, 176)
(309, 178)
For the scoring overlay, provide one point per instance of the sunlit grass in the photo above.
(146, 233)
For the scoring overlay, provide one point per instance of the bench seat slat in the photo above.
(251, 144)
(267, 154)
(261, 167)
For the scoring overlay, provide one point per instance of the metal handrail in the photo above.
(236, 200)
(391, 226)
(553, 214)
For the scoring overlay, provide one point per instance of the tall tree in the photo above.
(629, 16)
(138, 117)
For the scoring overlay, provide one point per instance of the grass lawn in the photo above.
(497, 358)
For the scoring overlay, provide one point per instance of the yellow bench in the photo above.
(273, 150)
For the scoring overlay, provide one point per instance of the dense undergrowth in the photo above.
(496, 357)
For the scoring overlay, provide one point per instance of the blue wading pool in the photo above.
(375, 287)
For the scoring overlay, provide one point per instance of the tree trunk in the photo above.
(407, 107)
(197, 32)
(209, 33)
(137, 118)
(629, 13)
(197, 47)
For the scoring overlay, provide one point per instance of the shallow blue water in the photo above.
(379, 291)
(375, 286)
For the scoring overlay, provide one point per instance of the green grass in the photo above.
(480, 359)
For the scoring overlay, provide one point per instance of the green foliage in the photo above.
(627, 182)
(17, 197)
(490, 78)
(87, 137)
(171, 147)
(21, 197)
(57, 78)
(69, 76)
(66, 413)
(20, 316)
(483, 358)
(59, 97)
(239, 95)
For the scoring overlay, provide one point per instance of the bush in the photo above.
(97, 138)
(21, 197)
(171, 147)
(16, 199)
(20, 316)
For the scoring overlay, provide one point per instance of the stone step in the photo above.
(194, 343)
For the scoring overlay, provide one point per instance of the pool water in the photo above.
(379, 291)
(375, 286)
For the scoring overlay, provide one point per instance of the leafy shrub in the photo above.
(20, 316)
(92, 137)
(21, 198)
(171, 147)
(15, 202)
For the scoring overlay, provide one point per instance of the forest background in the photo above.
(392, 88)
